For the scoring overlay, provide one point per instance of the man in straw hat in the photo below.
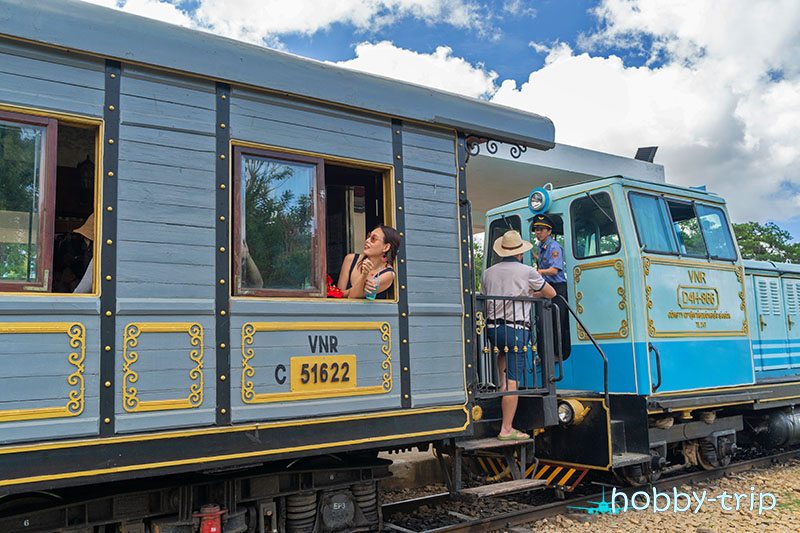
(508, 324)
(87, 231)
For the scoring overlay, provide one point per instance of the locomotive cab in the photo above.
(657, 293)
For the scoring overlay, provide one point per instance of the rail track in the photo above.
(534, 513)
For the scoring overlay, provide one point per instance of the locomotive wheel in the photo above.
(635, 475)
(707, 455)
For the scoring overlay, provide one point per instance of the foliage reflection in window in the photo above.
(25, 175)
(687, 228)
(695, 227)
(594, 228)
(277, 230)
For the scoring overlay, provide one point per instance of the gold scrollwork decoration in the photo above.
(248, 391)
(386, 349)
(250, 396)
(651, 327)
(742, 298)
(130, 394)
(647, 291)
(480, 322)
(77, 357)
(740, 274)
(745, 327)
(619, 266)
(646, 265)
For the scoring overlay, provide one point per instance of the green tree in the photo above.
(477, 252)
(766, 242)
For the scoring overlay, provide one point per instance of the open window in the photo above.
(47, 190)
(296, 217)
(594, 228)
(497, 229)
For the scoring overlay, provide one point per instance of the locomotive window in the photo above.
(594, 229)
(718, 236)
(296, 218)
(497, 229)
(687, 229)
(47, 182)
(652, 223)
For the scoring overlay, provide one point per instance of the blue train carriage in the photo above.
(677, 345)
(209, 187)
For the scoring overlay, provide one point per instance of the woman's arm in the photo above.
(358, 278)
(385, 281)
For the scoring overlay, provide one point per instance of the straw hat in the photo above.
(87, 229)
(510, 244)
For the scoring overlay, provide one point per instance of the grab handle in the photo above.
(652, 348)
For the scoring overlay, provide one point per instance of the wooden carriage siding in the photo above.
(164, 301)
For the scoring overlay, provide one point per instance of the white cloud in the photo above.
(440, 70)
(264, 21)
(518, 8)
(155, 9)
(720, 95)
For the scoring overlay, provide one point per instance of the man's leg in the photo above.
(501, 370)
(509, 408)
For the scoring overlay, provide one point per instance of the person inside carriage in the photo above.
(371, 274)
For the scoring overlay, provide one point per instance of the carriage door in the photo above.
(791, 300)
(769, 351)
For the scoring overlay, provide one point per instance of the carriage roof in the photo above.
(83, 27)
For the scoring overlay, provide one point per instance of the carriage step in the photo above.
(507, 487)
(489, 443)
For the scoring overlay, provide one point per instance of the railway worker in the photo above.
(508, 324)
(360, 272)
(87, 232)
(550, 257)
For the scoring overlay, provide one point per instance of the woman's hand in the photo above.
(366, 266)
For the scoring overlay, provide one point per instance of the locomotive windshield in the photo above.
(671, 226)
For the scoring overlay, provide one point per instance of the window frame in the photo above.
(664, 198)
(573, 227)
(318, 247)
(46, 205)
(727, 226)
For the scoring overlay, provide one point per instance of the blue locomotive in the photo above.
(680, 350)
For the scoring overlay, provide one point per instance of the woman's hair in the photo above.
(391, 237)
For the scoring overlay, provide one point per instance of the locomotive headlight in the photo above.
(565, 413)
(571, 411)
(538, 201)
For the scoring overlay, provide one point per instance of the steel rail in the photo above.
(533, 514)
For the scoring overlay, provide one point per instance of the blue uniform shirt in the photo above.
(552, 256)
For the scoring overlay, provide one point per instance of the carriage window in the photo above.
(652, 223)
(277, 232)
(715, 228)
(594, 229)
(295, 219)
(497, 228)
(47, 179)
(687, 228)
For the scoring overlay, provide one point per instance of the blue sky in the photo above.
(714, 83)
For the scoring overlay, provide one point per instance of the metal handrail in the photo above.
(546, 386)
(597, 346)
(650, 347)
